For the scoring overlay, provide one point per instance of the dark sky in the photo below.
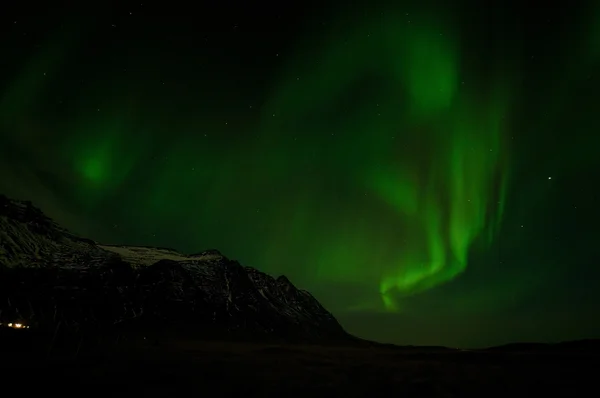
(428, 171)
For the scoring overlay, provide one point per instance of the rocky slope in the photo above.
(50, 278)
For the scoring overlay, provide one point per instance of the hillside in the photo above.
(51, 278)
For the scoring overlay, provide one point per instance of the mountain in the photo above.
(585, 346)
(52, 279)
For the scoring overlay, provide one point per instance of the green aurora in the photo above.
(435, 157)
(377, 160)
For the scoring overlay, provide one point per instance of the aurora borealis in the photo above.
(426, 171)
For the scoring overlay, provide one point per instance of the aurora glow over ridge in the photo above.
(449, 195)
(394, 161)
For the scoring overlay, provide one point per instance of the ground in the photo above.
(263, 370)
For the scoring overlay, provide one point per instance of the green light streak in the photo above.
(438, 160)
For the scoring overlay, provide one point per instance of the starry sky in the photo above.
(429, 171)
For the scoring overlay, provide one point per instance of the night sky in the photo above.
(428, 171)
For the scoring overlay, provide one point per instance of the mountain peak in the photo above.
(51, 277)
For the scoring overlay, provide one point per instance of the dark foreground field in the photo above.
(243, 369)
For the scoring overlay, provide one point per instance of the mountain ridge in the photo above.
(53, 277)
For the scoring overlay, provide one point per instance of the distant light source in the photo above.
(16, 325)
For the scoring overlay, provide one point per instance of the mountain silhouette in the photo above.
(51, 278)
